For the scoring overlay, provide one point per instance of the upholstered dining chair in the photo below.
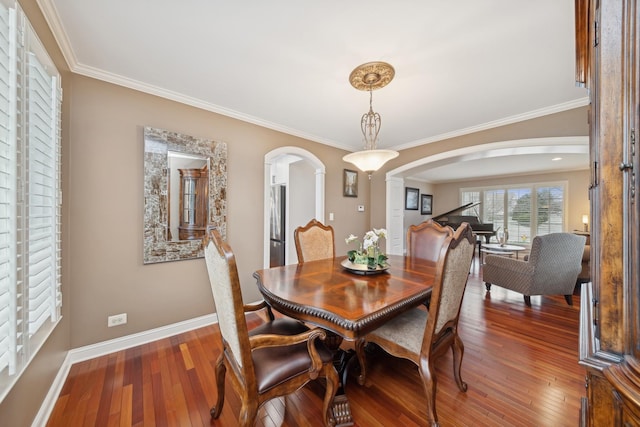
(425, 240)
(272, 360)
(551, 268)
(420, 335)
(314, 241)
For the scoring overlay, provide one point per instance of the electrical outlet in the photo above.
(116, 320)
(360, 208)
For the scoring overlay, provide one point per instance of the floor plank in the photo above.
(520, 363)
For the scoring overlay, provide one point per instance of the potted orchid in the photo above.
(368, 252)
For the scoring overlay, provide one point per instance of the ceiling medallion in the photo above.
(372, 75)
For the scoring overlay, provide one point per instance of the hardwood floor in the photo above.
(521, 366)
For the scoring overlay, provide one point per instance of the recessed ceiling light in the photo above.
(555, 159)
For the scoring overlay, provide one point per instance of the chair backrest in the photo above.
(227, 296)
(314, 241)
(446, 297)
(426, 240)
(557, 261)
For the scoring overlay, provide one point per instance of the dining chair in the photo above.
(425, 240)
(421, 335)
(314, 241)
(271, 360)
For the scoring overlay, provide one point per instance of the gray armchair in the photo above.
(551, 269)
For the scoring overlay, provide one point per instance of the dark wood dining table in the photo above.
(326, 294)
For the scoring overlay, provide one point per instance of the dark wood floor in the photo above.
(521, 365)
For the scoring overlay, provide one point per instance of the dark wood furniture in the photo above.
(314, 241)
(194, 198)
(454, 221)
(421, 336)
(608, 51)
(272, 360)
(425, 240)
(325, 294)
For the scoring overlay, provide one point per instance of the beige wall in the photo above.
(102, 269)
(106, 208)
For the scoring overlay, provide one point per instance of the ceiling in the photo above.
(459, 66)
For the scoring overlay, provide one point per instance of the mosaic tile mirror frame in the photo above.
(164, 151)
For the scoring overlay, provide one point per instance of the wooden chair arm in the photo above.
(273, 340)
(247, 308)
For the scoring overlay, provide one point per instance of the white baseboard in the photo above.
(100, 349)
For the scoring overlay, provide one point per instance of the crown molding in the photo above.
(570, 105)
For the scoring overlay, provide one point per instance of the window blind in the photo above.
(7, 199)
(42, 177)
(30, 194)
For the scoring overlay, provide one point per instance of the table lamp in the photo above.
(585, 222)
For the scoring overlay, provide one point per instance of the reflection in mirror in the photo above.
(188, 195)
(185, 182)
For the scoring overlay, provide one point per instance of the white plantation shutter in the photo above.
(30, 194)
(42, 163)
(7, 197)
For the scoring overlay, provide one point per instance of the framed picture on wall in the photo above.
(411, 198)
(426, 205)
(350, 183)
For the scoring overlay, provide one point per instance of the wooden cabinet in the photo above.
(194, 189)
(610, 310)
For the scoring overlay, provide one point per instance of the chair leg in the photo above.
(487, 285)
(333, 382)
(429, 383)
(362, 360)
(221, 370)
(527, 300)
(569, 299)
(457, 347)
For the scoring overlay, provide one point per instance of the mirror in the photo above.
(185, 181)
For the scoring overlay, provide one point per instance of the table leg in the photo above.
(342, 360)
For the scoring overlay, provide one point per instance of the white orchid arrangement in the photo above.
(368, 251)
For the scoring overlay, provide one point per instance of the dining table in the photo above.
(346, 301)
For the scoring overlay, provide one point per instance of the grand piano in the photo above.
(479, 228)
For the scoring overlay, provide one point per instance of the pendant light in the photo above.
(369, 77)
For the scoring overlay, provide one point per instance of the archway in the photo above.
(281, 159)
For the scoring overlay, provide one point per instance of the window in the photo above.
(526, 211)
(30, 194)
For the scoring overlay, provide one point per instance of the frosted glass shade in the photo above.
(370, 160)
